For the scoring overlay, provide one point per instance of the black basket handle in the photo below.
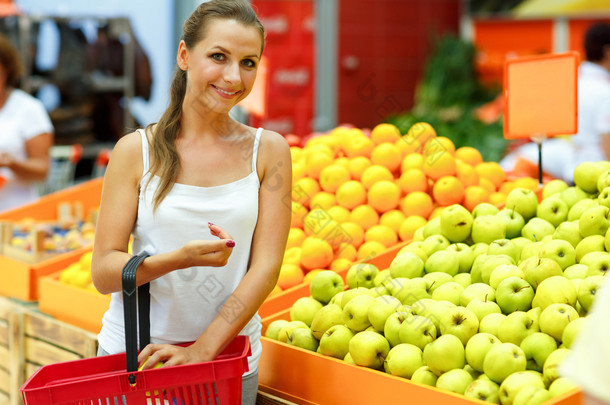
(135, 311)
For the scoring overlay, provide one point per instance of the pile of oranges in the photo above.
(356, 194)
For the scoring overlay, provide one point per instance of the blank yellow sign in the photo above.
(540, 94)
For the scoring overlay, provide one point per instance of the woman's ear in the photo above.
(182, 57)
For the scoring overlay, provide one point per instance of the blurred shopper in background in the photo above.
(561, 155)
(26, 134)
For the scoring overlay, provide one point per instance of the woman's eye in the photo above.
(218, 56)
(249, 63)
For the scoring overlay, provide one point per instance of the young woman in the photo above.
(205, 196)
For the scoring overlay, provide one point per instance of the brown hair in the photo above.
(10, 61)
(597, 38)
(165, 161)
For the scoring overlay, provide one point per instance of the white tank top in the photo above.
(184, 302)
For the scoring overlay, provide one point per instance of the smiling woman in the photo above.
(203, 195)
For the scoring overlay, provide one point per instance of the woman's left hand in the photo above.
(169, 355)
(5, 159)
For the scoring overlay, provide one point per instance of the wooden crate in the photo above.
(48, 340)
(11, 351)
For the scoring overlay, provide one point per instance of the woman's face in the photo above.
(221, 68)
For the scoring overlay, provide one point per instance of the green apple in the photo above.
(474, 373)
(553, 187)
(513, 220)
(514, 294)
(425, 376)
(587, 291)
(604, 197)
(502, 272)
(477, 291)
(479, 248)
(477, 348)
(504, 247)
(487, 228)
(553, 209)
(537, 269)
(531, 395)
(391, 328)
(571, 331)
(503, 360)
(594, 221)
(483, 308)
(418, 235)
(407, 265)
(459, 321)
(603, 180)
(434, 243)
(348, 295)
(516, 326)
(361, 275)
(483, 390)
(491, 263)
(598, 262)
(436, 312)
(555, 289)
(326, 317)
(581, 206)
(561, 251)
(456, 223)
(456, 380)
(531, 250)
(550, 371)
(465, 256)
(348, 359)
(516, 382)
(369, 349)
(403, 360)
(432, 227)
(304, 309)
(593, 243)
(436, 279)
(562, 385)
(537, 348)
(555, 318)
(378, 291)
(484, 208)
(569, 232)
(586, 175)
(417, 330)
(465, 279)
(534, 313)
(445, 261)
(576, 271)
(522, 200)
(381, 308)
(337, 299)
(491, 323)
(536, 229)
(412, 290)
(572, 195)
(450, 291)
(382, 278)
(444, 354)
(356, 312)
(286, 330)
(415, 247)
(325, 285)
(395, 285)
(303, 338)
(274, 328)
(335, 341)
(477, 264)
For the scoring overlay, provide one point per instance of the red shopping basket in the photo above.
(106, 381)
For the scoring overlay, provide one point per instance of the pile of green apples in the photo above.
(485, 303)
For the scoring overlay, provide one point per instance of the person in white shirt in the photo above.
(26, 134)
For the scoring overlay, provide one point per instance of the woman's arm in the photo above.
(36, 165)
(267, 252)
(606, 145)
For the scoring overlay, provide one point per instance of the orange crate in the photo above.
(306, 377)
(72, 305)
(287, 297)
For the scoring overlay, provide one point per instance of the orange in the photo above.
(381, 233)
(370, 249)
(351, 194)
(384, 195)
(408, 145)
(439, 164)
(365, 216)
(357, 165)
(346, 251)
(316, 162)
(417, 203)
(413, 180)
(507, 187)
(421, 131)
(474, 195)
(448, 190)
(487, 184)
(354, 233)
(466, 173)
(299, 170)
(342, 161)
(338, 213)
(387, 155)
(295, 237)
(469, 155)
(310, 274)
(497, 198)
(340, 264)
(303, 189)
(436, 212)
(316, 147)
(297, 154)
(491, 171)
(290, 275)
(385, 132)
(412, 161)
(331, 177)
(375, 173)
(529, 183)
(323, 200)
(315, 221)
(292, 255)
(316, 253)
(439, 144)
(276, 290)
(298, 215)
(409, 226)
(358, 144)
(393, 219)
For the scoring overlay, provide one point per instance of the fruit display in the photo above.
(484, 303)
(78, 274)
(357, 192)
